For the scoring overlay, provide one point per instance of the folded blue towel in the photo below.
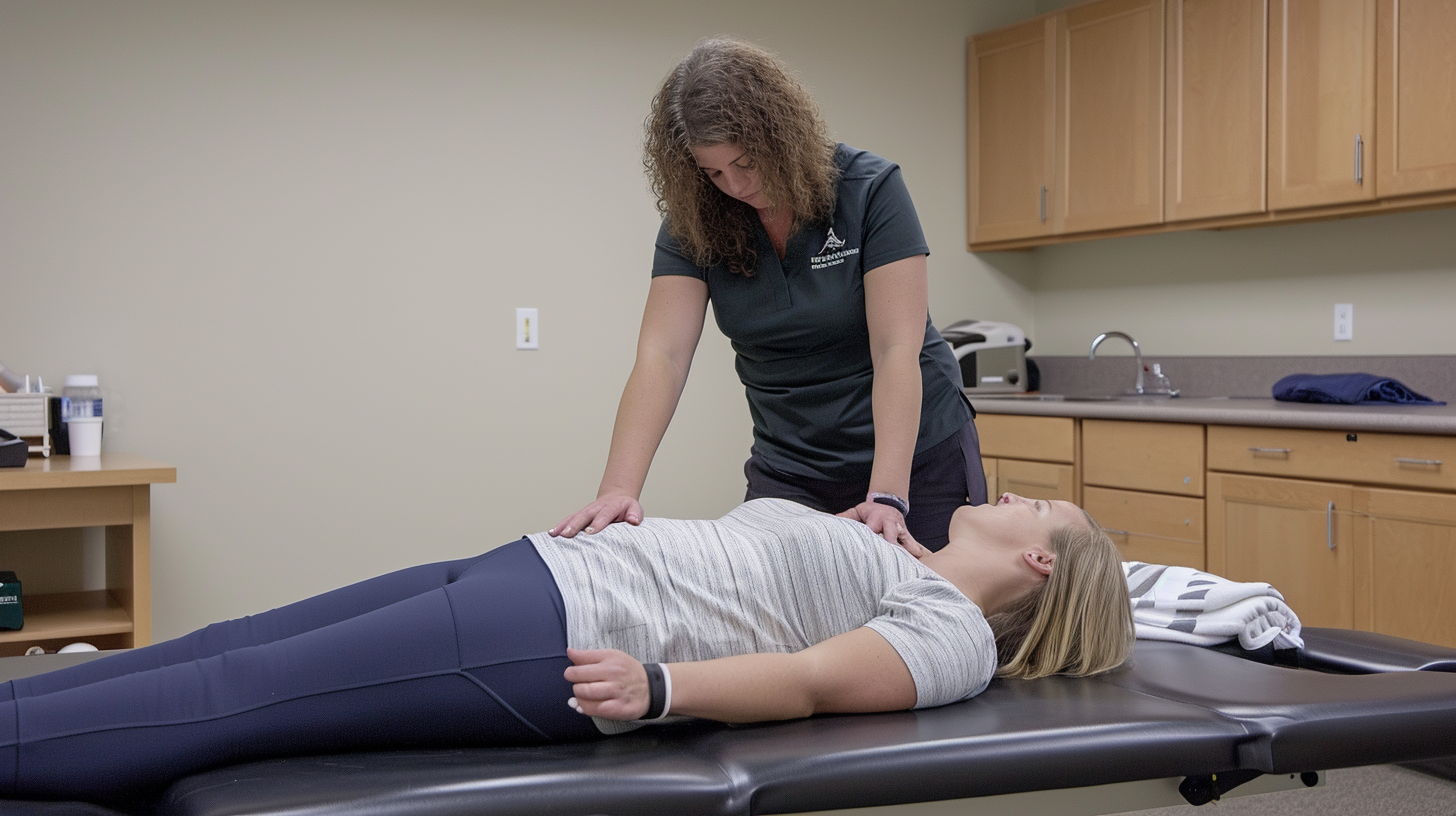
(1347, 389)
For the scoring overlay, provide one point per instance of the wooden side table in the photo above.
(111, 491)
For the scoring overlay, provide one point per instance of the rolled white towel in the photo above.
(1192, 606)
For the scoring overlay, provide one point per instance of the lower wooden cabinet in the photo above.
(1405, 587)
(1356, 530)
(1030, 456)
(1150, 527)
(1034, 480)
(1342, 555)
(1293, 534)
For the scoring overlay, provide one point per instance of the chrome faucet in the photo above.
(1136, 351)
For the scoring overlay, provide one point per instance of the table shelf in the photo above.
(110, 491)
(55, 619)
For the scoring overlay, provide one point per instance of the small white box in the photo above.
(28, 416)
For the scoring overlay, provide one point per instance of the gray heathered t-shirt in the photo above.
(770, 576)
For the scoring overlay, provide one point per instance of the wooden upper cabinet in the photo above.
(1321, 102)
(1416, 46)
(1215, 88)
(1128, 117)
(1009, 76)
(1109, 115)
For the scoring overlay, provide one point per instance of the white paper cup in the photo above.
(85, 436)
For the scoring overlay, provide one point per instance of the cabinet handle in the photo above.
(1271, 450)
(1432, 462)
(1330, 525)
(1043, 203)
(1359, 159)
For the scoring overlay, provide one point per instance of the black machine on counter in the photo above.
(13, 450)
(992, 356)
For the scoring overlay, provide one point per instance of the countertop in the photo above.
(1423, 419)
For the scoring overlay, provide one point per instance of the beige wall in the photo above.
(1265, 291)
(290, 238)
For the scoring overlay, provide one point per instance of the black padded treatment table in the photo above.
(1177, 723)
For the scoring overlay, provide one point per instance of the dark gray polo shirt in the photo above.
(800, 333)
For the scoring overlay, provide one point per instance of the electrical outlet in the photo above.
(528, 329)
(1344, 321)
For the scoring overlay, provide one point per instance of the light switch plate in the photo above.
(1344, 321)
(528, 328)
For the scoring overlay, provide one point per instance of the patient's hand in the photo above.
(596, 516)
(607, 683)
(886, 522)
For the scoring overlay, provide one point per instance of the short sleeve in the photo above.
(891, 228)
(669, 258)
(942, 637)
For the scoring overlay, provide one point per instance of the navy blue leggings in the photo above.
(459, 652)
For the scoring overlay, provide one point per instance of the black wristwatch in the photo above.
(892, 500)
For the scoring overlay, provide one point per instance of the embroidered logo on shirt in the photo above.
(832, 253)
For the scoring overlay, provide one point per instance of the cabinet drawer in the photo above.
(1047, 439)
(1035, 480)
(1407, 460)
(1150, 527)
(1166, 457)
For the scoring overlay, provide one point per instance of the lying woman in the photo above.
(772, 612)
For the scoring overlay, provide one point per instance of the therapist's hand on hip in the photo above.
(596, 516)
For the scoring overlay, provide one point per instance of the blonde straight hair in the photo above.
(1079, 621)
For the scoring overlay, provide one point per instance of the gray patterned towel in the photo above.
(1191, 606)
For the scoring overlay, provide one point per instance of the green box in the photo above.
(10, 614)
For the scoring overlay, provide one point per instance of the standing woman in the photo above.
(814, 261)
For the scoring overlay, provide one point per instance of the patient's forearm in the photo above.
(858, 671)
(747, 688)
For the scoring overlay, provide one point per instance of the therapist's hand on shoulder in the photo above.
(596, 516)
(886, 522)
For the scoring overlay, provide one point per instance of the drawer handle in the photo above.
(1431, 462)
(1271, 450)
(1330, 525)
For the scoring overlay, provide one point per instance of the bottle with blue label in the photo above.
(81, 397)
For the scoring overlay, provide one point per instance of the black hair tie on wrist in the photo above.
(893, 501)
(656, 692)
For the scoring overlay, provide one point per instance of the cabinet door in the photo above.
(1110, 115)
(1035, 480)
(1150, 527)
(1417, 107)
(1009, 76)
(1408, 586)
(1321, 102)
(1293, 534)
(1215, 108)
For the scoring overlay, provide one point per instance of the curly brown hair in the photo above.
(725, 91)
